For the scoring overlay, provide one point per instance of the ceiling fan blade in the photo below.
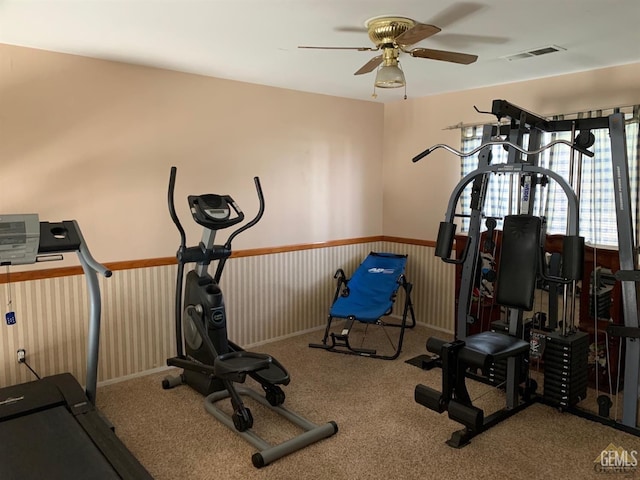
(360, 49)
(370, 65)
(445, 56)
(416, 34)
(459, 40)
(456, 12)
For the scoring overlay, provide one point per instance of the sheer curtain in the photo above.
(596, 189)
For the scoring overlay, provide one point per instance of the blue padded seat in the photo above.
(372, 288)
(366, 297)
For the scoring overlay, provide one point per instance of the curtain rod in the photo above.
(634, 109)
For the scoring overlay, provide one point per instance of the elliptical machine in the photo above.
(211, 363)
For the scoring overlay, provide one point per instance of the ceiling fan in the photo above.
(394, 35)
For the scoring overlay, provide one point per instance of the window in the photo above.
(597, 205)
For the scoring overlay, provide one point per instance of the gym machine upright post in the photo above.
(211, 363)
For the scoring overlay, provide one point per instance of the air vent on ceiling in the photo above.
(534, 53)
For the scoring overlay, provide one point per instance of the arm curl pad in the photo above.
(444, 244)
(572, 257)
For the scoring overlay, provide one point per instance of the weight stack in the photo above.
(565, 368)
(603, 302)
(497, 372)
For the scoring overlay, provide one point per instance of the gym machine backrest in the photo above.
(50, 428)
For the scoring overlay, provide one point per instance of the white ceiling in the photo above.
(256, 40)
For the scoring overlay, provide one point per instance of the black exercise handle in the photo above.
(246, 226)
(572, 261)
(257, 218)
(444, 244)
(183, 245)
(420, 156)
(172, 207)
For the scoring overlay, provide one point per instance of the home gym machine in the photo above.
(50, 428)
(565, 355)
(211, 363)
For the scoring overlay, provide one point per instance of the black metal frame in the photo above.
(455, 398)
(522, 122)
(456, 358)
(339, 343)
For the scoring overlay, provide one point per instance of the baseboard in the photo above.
(251, 347)
(283, 337)
(144, 373)
(165, 368)
(426, 325)
(437, 329)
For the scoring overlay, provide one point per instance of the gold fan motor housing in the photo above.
(384, 30)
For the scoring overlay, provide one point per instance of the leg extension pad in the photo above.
(430, 398)
(468, 415)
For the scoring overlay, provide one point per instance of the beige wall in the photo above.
(416, 195)
(94, 140)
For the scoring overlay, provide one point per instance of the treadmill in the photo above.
(50, 428)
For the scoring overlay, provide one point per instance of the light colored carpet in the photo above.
(383, 433)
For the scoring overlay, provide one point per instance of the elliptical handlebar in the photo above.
(172, 207)
(246, 226)
(255, 220)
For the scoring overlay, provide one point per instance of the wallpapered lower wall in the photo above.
(267, 297)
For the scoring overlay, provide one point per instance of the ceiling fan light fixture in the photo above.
(390, 76)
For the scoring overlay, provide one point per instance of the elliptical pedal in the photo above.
(235, 366)
(274, 374)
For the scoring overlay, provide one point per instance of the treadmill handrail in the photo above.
(91, 268)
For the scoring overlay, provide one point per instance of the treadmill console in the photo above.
(19, 239)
